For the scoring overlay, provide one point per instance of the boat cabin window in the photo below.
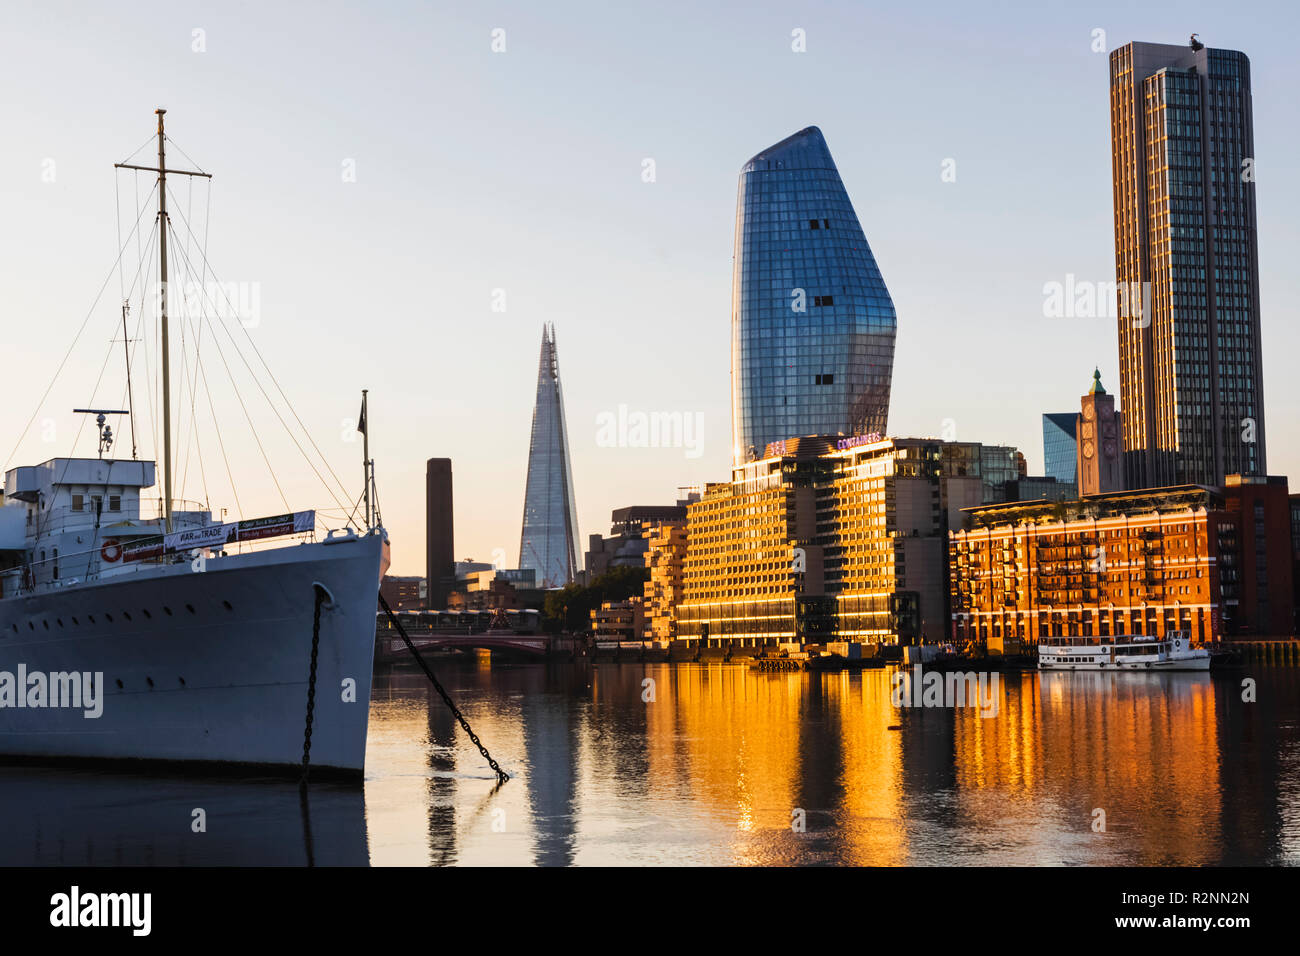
(114, 502)
(78, 502)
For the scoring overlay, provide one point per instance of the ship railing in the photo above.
(71, 568)
(151, 509)
(65, 518)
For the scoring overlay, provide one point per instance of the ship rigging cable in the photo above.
(207, 267)
(192, 253)
(122, 297)
(192, 435)
(189, 271)
(66, 355)
(43, 519)
(125, 295)
(193, 384)
(201, 372)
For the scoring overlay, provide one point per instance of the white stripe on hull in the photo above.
(229, 677)
(1195, 664)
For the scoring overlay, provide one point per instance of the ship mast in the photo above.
(162, 172)
(365, 452)
(166, 347)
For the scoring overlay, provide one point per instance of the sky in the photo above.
(404, 193)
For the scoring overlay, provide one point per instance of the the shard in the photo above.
(549, 541)
(812, 324)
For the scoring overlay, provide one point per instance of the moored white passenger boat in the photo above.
(1173, 652)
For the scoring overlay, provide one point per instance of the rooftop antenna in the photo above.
(105, 430)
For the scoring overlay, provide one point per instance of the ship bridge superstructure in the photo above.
(67, 520)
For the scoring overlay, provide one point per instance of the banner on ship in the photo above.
(217, 535)
(210, 537)
(257, 528)
(143, 550)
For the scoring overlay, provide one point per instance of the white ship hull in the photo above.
(1189, 664)
(209, 667)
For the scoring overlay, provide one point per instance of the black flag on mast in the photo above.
(361, 422)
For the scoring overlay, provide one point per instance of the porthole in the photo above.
(31, 626)
(76, 623)
(168, 610)
(227, 605)
(147, 615)
(108, 618)
(59, 621)
(90, 618)
(45, 624)
(190, 608)
(127, 615)
(119, 683)
(182, 680)
(149, 681)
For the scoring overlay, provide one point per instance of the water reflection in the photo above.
(723, 761)
(631, 764)
(83, 818)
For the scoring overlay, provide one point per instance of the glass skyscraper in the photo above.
(1183, 153)
(1060, 449)
(549, 541)
(812, 324)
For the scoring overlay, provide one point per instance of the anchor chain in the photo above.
(311, 685)
(502, 776)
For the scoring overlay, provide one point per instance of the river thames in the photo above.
(696, 764)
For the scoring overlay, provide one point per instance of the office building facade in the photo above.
(626, 545)
(665, 559)
(618, 621)
(829, 539)
(1186, 264)
(404, 593)
(1214, 562)
(812, 324)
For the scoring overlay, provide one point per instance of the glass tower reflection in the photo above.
(1060, 446)
(549, 540)
(812, 324)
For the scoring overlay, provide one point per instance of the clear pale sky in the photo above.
(523, 171)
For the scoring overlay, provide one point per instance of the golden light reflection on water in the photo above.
(720, 762)
(647, 765)
(1141, 748)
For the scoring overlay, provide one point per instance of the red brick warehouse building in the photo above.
(1215, 562)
